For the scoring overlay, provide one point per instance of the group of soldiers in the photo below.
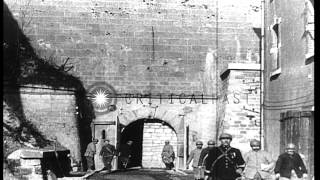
(221, 162)
(107, 153)
(224, 162)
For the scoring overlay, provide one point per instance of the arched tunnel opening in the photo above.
(134, 132)
(148, 136)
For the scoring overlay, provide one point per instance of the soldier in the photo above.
(107, 153)
(125, 154)
(205, 151)
(225, 162)
(195, 155)
(89, 154)
(204, 155)
(259, 163)
(168, 155)
(289, 165)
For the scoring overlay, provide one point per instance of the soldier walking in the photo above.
(89, 154)
(290, 165)
(125, 154)
(225, 162)
(195, 155)
(107, 153)
(168, 155)
(204, 155)
(259, 163)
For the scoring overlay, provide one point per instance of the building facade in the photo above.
(289, 77)
(154, 70)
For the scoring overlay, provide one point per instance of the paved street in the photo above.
(142, 174)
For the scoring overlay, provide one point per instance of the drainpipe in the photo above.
(185, 153)
(262, 75)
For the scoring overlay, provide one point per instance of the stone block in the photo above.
(30, 162)
(23, 171)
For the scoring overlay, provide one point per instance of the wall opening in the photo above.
(103, 134)
(134, 132)
(148, 136)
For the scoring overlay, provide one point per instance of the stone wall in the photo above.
(141, 45)
(154, 136)
(53, 112)
(199, 117)
(146, 46)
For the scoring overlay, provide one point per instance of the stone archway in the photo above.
(148, 136)
(160, 125)
(172, 118)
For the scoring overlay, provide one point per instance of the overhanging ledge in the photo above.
(239, 66)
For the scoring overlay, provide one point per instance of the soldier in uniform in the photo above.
(205, 151)
(125, 154)
(195, 155)
(107, 153)
(89, 154)
(168, 155)
(290, 165)
(225, 162)
(204, 155)
(259, 163)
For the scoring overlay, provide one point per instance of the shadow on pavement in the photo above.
(141, 174)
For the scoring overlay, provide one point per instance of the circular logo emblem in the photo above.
(102, 97)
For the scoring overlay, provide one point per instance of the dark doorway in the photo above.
(134, 132)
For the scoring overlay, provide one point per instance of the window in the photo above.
(309, 30)
(275, 46)
(103, 134)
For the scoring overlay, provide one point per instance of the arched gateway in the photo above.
(148, 136)
(147, 132)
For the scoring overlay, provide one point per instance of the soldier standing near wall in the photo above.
(290, 166)
(259, 163)
(225, 162)
(168, 155)
(195, 155)
(125, 154)
(204, 155)
(89, 154)
(107, 152)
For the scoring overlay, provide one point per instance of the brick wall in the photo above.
(53, 112)
(241, 106)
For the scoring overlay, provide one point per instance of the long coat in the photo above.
(254, 161)
(167, 154)
(286, 163)
(91, 150)
(225, 167)
(203, 156)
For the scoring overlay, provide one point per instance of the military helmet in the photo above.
(255, 142)
(291, 146)
(199, 143)
(225, 136)
(211, 142)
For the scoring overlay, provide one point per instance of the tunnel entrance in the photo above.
(148, 136)
(134, 132)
